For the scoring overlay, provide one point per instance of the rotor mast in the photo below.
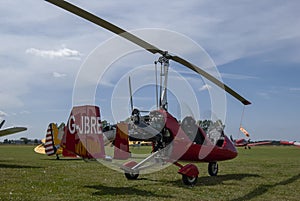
(164, 61)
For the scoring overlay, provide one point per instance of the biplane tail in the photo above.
(52, 142)
(83, 133)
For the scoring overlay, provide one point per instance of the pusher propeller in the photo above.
(147, 46)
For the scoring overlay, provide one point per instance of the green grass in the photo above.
(262, 173)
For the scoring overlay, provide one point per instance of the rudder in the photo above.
(50, 147)
(83, 133)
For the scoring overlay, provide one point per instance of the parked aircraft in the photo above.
(172, 141)
(51, 144)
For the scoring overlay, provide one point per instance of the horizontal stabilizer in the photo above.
(40, 149)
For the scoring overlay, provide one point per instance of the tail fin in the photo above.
(83, 134)
(121, 150)
(51, 138)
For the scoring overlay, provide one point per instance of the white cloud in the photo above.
(2, 114)
(13, 86)
(264, 95)
(295, 89)
(237, 76)
(205, 87)
(24, 112)
(60, 53)
(58, 75)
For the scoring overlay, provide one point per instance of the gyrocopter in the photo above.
(172, 141)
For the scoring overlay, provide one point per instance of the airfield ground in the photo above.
(262, 173)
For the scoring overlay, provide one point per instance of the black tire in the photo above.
(131, 176)
(190, 181)
(213, 168)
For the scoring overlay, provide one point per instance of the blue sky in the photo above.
(254, 44)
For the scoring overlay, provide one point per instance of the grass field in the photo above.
(262, 173)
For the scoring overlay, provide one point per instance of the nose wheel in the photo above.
(213, 168)
(189, 181)
(131, 176)
(189, 173)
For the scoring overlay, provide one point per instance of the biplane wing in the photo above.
(10, 130)
(259, 143)
(297, 144)
(247, 143)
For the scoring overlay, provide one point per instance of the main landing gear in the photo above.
(189, 172)
(189, 181)
(131, 175)
(213, 168)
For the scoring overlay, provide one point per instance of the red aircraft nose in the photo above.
(231, 151)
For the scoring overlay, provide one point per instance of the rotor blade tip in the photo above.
(245, 102)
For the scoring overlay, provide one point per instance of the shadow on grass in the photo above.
(111, 190)
(262, 189)
(62, 159)
(211, 181)
(103, 190)
(205, 181)
(5, 161)
(17, 166)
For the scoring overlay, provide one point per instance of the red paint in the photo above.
(189, 170)
(83, 133)
(121, 148)
(185, 149)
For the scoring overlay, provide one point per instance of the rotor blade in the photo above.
(147, 46)
(130, 93)
(105, 24)
(211, 78)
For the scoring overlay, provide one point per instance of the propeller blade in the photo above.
(130, 93)
(2, 123)
(147, 46)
